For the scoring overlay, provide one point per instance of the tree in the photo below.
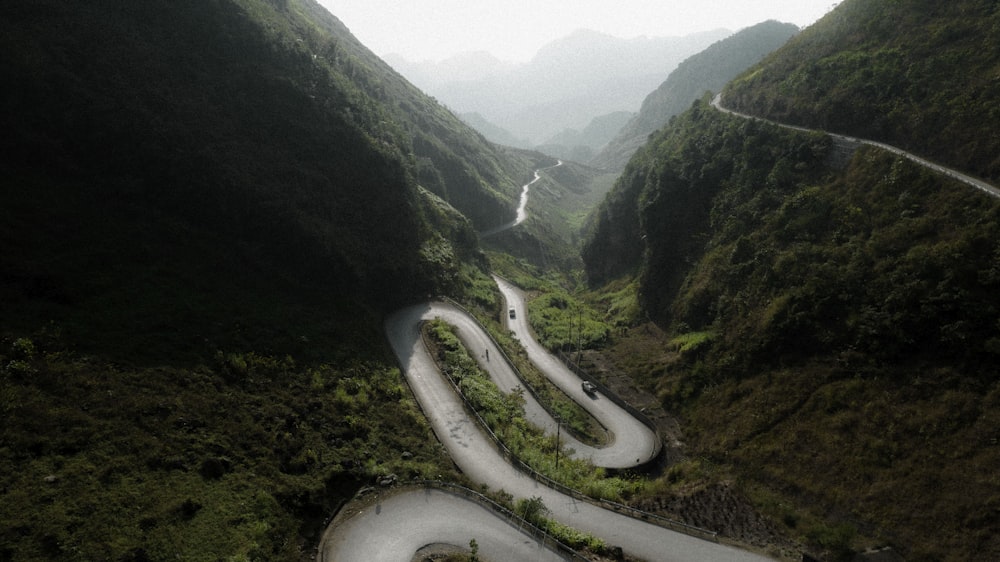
(474, 547)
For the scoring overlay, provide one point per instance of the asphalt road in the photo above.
(632, 442)
(522, 206)
(979, 184)
(477, 456)
(396, 526)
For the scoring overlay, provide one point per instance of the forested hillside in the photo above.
(708, 70)
(831, 323)
(151, 147)
(918, 74)
(206, 208)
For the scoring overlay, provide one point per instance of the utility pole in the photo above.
(570, 340)
(558, 428)
(579, 334)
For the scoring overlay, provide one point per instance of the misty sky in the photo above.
(513, 30)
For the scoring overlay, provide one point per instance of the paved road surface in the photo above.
(954, 174)
(522, 206)
(396, 526)
(632, 442)
(477, 457)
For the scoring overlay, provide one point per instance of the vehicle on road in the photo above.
(512, 313)
(589, 387)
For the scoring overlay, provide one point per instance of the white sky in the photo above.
(513, 30)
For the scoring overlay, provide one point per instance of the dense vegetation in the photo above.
(831, 332)
(153, 151)
(918, 74)
(708, 70)
(835, 329)
(243, 458)
(206, 206)
(504, 415)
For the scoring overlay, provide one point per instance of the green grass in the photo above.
(533, 510)
(692, 341)
(240, 459)
(504, 415)
(564, 323)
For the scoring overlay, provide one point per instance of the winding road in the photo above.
(397, 524)
(631, 444)
(979, 184)
(522, 205)
(477, 456)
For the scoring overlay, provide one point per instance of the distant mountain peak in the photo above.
(567, 84)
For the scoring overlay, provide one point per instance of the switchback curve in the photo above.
(477, 457)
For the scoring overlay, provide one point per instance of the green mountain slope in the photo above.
(164, 165)
(838, 328)
(206, 209)
(921, 75)
(831, 322)
(708, 70)
(579, 145)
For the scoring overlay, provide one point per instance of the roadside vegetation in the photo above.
(561, 320)
(243, 458)
(504, 415)
(832, 333)
(533, 511)
(484, 301)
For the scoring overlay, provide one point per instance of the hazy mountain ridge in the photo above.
(568, 83)
(493, 132)
(463, 67)
(708, 70)
(580, 145)
(831, 328)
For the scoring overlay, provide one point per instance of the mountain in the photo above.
(580, 145)
(708, 70)
(207, 207)
(569, 82)
(463, 67)
(829, 319)
(492, 132)
(243, 135)
(873, 66)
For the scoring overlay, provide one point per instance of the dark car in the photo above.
(589, 387)
(512, 313)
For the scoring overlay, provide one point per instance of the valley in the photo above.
(477, 457)
(263, 298)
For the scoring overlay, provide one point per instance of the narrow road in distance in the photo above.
(522, 206)
(979, 184)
